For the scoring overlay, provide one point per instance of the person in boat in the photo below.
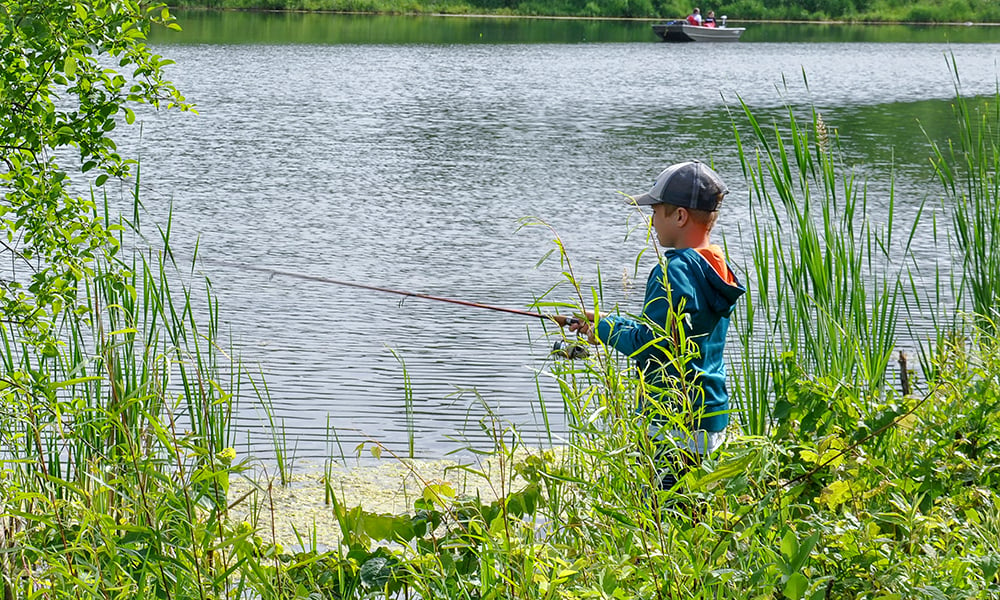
(709, 20)
(695, 17)
(679, 339)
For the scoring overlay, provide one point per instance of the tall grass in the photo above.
(826, 272)
(969, 170)
(283, 460)
(116, 440)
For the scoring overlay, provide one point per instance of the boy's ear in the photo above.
(683, 216)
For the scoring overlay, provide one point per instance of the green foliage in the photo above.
(114, 415)
(57, 92)
(918, 11)
(115, 479)
(969, 170)
(826, 277)
(744, 9)
(831, 506)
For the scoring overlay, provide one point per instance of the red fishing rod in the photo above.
(567, 349)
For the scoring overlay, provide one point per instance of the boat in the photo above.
(682, 31)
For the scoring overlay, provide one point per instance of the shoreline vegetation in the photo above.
(875, 12)
(843, 478)
(583, 18)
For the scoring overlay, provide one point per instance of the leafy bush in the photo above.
(745, 9)
(923, 14)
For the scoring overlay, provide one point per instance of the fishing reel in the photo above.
(570, 350)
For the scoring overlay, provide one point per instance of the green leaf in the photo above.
(796, 586)
(728, 469)
(789, 546)
(802, 555)
(437, 492)
(378, 527)
(71, 382)
(615, 514)
(127, 330)
(835, 494)
(375, 572)
(782, 409)
(990, 565)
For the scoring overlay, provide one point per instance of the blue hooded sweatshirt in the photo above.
(704, 289)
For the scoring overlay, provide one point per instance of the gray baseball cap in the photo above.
(689, 184)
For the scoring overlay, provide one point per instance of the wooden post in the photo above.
(904, 375)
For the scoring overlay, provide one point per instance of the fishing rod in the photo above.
(566, 349)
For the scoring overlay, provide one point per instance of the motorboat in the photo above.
(682, 31)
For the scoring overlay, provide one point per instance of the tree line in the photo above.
(914, 11)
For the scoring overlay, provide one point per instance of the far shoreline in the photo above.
(581, 18)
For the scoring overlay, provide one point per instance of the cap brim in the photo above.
(643, 200)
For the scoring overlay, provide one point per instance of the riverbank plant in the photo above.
(825, 277)
(969, 171)
(116, 444)
(115, 393)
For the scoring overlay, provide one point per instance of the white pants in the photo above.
(698, 441)
(675, 449)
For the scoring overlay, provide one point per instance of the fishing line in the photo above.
(376, 288)
(567, 349)
(564, 348)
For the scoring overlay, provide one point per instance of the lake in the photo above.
(402, 152)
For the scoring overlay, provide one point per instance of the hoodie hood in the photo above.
(717, 277)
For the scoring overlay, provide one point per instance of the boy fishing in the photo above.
(678, 341)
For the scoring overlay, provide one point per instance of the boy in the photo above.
(689, 297)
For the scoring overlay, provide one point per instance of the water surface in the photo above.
(402, 152)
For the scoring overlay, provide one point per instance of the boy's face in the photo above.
(667, 222)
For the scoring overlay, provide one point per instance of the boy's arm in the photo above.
(628, 335)
(636, 338)
(624, 334)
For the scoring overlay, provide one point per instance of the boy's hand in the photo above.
(561, 320)
(580, 326)
(564, 320)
